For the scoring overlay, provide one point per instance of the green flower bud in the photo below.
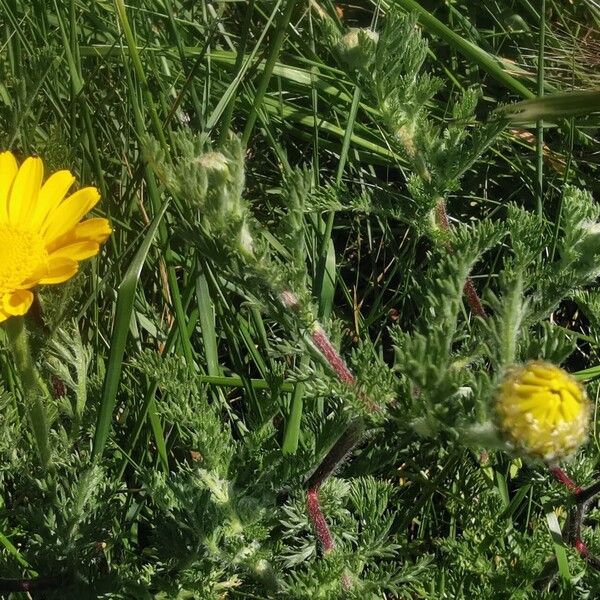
(216, 166)
(223, 200)
(588, 248)
(357, 47)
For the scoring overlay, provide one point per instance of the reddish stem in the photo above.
(563, 478)
(332, 460)
(336, 455)
(581, 547)
(345, 443)
(290, 300)
(473, 299)
(442, 215)
(573, 527)
(469, 290)
(319, 338)
(335, 361)
(337, 364)
(318, 520)
(321, 341)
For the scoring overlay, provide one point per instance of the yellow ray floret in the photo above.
(542, 411)
(42, 237)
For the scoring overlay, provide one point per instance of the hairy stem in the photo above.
(34, 391)
(473, 299)
(318, 521)
(344, 444)
(339, 451)
(320, 341)
(563, 478)
(583, 495)
(583, 502)
(330, 354)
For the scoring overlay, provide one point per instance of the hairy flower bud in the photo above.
(542, 411)
(356, 47)
(406, 136)
(222, 196)
(246, 241)
(216, 168)
(215, 164)
(588, 248)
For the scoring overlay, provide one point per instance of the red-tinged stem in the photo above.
(469, 290)
(339, 451)
(473, 299)
(344, 444)
(332, 460)
(586, 494)
(585, 553)
(289, 300)
(338, 366)
(563, 478)
(318, 520)
(583, 501)
(581, 547)
(335, 361)
(442, 215)
(346, 581)
(321, 341)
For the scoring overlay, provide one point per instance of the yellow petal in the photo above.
(25, 189)
(51, 195)
(59, 269)
(77, 250)
(92, 230)
(8, 171)
(17, 302)
(96, 230)
(65, 216)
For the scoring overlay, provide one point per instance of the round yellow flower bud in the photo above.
(542, 411)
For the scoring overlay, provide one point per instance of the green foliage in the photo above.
(363, 512)
(69, 363)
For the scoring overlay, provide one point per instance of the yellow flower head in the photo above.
(542, 411)
(41, 237)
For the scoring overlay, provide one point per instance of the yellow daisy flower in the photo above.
(542, 410)
(41, 237)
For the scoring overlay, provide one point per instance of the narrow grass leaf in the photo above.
(125, 300)
(554, 106)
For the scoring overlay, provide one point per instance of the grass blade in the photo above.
(125, 300)
(472, 52)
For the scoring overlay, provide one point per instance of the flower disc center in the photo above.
(22, 253)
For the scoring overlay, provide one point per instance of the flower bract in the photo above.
(542, 411)
(42, 236)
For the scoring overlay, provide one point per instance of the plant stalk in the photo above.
(34, 391)
(473, 299)
(318, 521)
(583, 501)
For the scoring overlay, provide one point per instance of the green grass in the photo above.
(183, 355)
